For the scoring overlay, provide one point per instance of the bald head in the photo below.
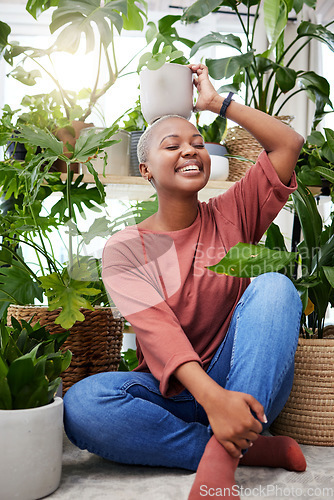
(144, 143)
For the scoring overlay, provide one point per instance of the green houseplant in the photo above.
(65, 111)
(307, 415)
(259, 70)
(316, 160)
(31, 362)
(134, 123)
(31, 416)
(268, 78)
(69, 286)
(69, 23)
(314, 255)
(213, 135)
(72, 285)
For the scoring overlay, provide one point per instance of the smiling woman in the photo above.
(207, 407)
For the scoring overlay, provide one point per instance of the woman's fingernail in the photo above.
(251, 444)
(265, 420)
(241, 455)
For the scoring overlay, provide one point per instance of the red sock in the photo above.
(277, 451)
(215, 473)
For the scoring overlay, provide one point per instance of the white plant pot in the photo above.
(32, 445)
(118, 155)
(166, 91)
(219, 162)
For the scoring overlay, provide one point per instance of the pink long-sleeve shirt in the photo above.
(180, 310)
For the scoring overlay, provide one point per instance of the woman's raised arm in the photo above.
(281, 143)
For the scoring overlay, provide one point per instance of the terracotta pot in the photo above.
(65, 135)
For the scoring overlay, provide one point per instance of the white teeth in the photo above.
(188, 168)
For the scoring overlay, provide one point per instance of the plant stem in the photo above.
(256, 17)
(30, 271)
(69, 205)
(248, 80)
(286, 100)
(51, 247)
(38, 258)
(92, 95)
(112, 79)
(129, 62)
(293, 42)
(297, 51)
(113, 51)
(38, 230)
(34, 246)
(61, 90)
(63, 94)
(273, 99)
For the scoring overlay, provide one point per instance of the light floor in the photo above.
(89, 477)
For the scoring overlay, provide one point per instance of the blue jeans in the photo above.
(123, 417)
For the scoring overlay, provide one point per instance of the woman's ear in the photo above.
(145, 171)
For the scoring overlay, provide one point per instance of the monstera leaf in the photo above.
(17, 285)
(79, 17)
(82, 197)
(36, 7)
(42, 138)
(4, 33)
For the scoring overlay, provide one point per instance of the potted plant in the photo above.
(31, 416)
(269, 79)
(213, 135)
(69, 22)
(315, 165)
(134, 123)
(97, 23)
(307, 415)
(74, 288)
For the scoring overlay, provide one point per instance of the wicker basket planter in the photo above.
(95, 343)
(308, 415)
(239, 142)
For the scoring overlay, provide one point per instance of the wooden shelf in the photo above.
(122, 179)
(137, 188)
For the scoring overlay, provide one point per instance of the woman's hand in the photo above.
(229, 412)
(231, 419)
(207, 95)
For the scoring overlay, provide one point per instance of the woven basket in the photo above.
(308, 415)
(239, 142)
(95, 343)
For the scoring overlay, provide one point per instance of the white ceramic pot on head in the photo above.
(166, 91)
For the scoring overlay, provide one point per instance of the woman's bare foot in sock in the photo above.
(275, 451)
(215, 473)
